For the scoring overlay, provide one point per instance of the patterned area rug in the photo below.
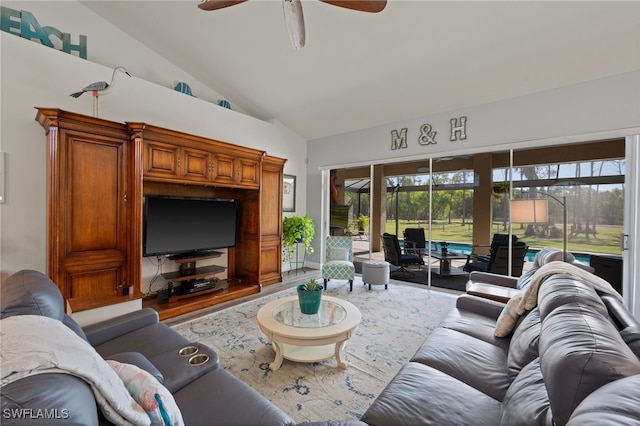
(395, 322)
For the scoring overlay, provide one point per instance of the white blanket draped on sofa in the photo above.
(530, 298)
(524, 302)
(33, 344)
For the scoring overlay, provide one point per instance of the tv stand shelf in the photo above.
(188, 270)
(200, 300)
(200, 272)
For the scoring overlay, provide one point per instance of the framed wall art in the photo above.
(289, 194)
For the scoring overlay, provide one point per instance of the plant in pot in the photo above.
(310, 297)
(362, 224)
(297, 229)
(499, 189)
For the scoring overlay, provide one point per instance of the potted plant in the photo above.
(362, 223)
(310, 297)
(297, 229)
(500, 188)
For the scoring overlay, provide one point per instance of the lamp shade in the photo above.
(530, 211)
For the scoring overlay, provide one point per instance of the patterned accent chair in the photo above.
(338, 262)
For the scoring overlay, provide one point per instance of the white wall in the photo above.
(33, 75)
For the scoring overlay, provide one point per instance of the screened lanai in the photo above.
(465, 200)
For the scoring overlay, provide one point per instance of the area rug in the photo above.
(394, 324)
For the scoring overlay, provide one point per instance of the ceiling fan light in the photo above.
(294, 19)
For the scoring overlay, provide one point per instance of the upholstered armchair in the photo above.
(338, 262)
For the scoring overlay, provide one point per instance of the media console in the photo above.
(190, 280)
(93, 165)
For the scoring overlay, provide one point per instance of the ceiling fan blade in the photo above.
(218, 4)
(295, 22)
(373, 6)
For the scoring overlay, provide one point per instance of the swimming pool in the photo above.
(531, 253)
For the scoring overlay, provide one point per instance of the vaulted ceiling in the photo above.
(360, 70)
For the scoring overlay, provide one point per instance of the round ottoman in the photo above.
(375, 272)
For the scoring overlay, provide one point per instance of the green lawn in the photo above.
(607, 238)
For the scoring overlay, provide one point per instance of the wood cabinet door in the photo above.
(92, 214)
(161, 160)
(223, 170)
(247, 172)
(271, 221)
(196, 165)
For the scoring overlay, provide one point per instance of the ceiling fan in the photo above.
(293, 12)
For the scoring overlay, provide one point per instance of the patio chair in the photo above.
(499, 260)
(497, 240)
(393, 254)
(338, 262)
(415, 241)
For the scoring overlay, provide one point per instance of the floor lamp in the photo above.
(536, 210)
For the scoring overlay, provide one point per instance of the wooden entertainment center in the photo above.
(98, 172)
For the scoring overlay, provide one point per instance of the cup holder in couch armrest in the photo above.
(188, 351)
(185, 364)
(199, 359)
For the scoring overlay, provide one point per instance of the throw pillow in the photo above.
(336, 253)
(147, 391)
(508, 317)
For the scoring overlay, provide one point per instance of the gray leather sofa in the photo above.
(573, 360)
(206, 394)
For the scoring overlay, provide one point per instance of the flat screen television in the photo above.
(185, 226)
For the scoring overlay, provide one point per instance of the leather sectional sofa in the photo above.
(206, 394)
(573, 360)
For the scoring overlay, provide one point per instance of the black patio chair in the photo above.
(393, 254)
(498, 262)
(415, 241)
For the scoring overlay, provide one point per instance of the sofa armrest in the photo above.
(140, 361)
(104, 331)
(486, 307)
(489, 278)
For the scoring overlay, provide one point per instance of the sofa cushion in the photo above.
(612, 404)
(150, 340)
(140, 361)
(422, 395)
(580, 348)
(227, 401)
(475, 362)
(67, 398)
(73, 325)
(526, 401)
(31, 293)
(523, 347)
(473, 324)
(561, 289)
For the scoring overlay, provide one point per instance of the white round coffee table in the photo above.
(308, 338)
